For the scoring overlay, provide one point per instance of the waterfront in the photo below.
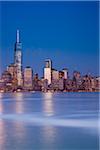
(49, 121)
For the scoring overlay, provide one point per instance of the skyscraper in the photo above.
(18, 58)
(65, 70)
(47, 70)
(28, 78)
(55, 74)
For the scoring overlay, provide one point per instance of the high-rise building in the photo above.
(18, 58)
(48, 63)
(6, 77)
(6, 81)
(47, 70)
(61, 84)
(36, 76)
(61, 75)
(36, 83)
(76, 75)
(12, 69)
(65, 73)
(55, 74)
(28, 78)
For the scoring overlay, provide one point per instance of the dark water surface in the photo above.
(49, 121)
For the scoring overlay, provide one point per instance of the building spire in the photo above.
(17, 36)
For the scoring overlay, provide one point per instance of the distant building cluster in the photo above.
(15, 78)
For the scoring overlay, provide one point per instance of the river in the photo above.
(49, 121)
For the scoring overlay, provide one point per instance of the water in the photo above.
(47, 121)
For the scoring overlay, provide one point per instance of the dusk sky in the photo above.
(66, 32)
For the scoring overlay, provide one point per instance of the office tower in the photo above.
(28, 78)
(44, 85)
(61, 84)
(61, 75)
(97, 83)
(55, 74)
(47, 70)
(18, 59)
(65, 73)
(35, 76)
(76, 75)
(36, 83)
(6, 81)
(2, 85)
(12, 69)
(77, 80)
(6, 77)
(48, 63)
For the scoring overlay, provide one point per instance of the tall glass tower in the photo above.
(48, 70)
(18, 58)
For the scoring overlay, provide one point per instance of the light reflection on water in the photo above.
(45, 122)
(19, 103)
(2, 125)
(49, 133)
(1, 107)
(48, 104)
(2, 134)
(1, 103)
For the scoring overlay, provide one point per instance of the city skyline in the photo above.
(65, 48)
(49, 75)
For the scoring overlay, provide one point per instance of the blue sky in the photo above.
(66, 32)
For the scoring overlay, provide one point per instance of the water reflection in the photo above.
(2, 134)
(20, 130)
(18, 126)
(49, 133)
(19, 107)
(1, 107)
(1, 95)
(1, 104)
(48, 104)
(2, 125)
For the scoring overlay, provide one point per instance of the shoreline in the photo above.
(51, 92)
